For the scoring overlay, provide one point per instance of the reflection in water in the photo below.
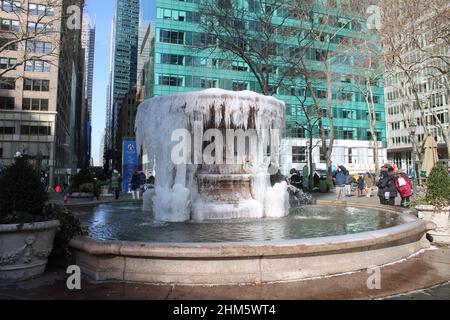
(127, 222)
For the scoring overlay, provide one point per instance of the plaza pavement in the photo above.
(422, 277)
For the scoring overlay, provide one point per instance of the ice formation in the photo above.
(198, 188)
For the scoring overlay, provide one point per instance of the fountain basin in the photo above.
(234, 263)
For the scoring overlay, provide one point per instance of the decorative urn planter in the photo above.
(104, 190)
(81, 195)
(25, 248)
(441, 218)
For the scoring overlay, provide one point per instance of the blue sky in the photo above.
(103, 12)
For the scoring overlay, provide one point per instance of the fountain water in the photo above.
(211, 155)
(299, 197)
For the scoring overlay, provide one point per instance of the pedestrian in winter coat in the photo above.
(404, 187)
(96, 189)
(135, 185)
(382, 183)
(341, 178)
(387, 190)
(368, 182)
(361, 186)
(115, 182)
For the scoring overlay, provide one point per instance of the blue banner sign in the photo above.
(129, 163)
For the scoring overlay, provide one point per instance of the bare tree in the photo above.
(31, 31)
(324, 28)
(367, 60)
(254, 33)
(311, 118)
(415, 38)
(290, 42)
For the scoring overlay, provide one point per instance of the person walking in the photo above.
(135, 185)
(96, 187)
(115, 182)
(390, 191)
(368, 182)
(341, 177)
(382, 183)
(404, 187)
(361, 186)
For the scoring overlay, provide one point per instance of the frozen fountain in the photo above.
(214, 152)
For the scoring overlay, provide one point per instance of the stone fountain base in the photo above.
(226, 196)
(249, 262)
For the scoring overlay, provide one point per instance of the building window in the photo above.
(7, 83)
(7, 130)
(297, 92)
(7, 63)
(298, 133)
(9, 25)
(168, 14)
(239, 66)
(35, 9)
(168, 36)
(39, 47)
(10, 6)
(347, 96)
(36, 85)
(7, 103)
(37, 66)
(171, 81)
(35, 104)
(349, 114)
(40, 28)
(322, 94)
(298, 154)
(348, 134)
(35, 130)
(239, 86)
(173, 59)
(14, 46)
(208, 83)
(350, 155)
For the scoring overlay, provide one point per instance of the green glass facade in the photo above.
(126, 26)
(181, 67)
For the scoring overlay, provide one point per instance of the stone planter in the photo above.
(441, 218)
(25, 248)
(81, 195)
(104, 190)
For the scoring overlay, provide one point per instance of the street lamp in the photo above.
(413, 128)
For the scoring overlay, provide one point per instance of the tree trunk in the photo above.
(373, 124)
(310, 160)
(329, 149)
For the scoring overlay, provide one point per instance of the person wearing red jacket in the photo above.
(404, 187)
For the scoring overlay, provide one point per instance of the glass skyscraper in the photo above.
(123, 64)
(181, 67)
(125, 51)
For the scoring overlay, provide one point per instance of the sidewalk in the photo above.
(422, 277)
(427, 270)
(374, 200)
(58, 198)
